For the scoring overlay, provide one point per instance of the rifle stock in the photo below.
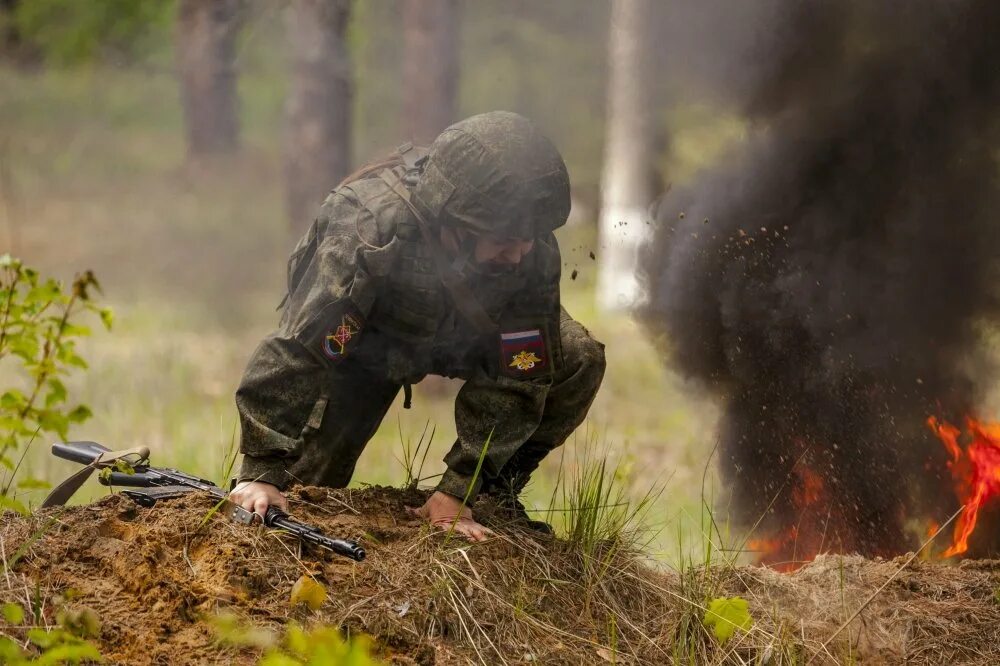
(163, 483)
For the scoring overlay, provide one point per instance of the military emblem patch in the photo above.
(524, 354)
(336, 340)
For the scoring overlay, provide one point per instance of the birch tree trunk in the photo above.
(626, 185)
(430, 67)
(206, 60)
(318, 108)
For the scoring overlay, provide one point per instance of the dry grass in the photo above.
(154, 578)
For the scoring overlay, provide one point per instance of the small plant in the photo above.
(318, 646)
(64, 644)
(726, 615)
(598, 515)
(412, 469)
(38, 336)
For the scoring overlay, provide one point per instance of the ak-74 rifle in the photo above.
(145, 485)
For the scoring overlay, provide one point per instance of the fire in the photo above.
(975, 469)
(792, 547)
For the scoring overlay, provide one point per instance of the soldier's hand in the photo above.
(257, 496)
(442, 511)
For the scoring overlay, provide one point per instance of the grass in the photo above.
(598, 515)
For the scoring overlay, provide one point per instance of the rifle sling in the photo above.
(463, 297)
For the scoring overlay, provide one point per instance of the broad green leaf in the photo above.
(52, 421)
(278, 659)
(296, 640)
(76, 331)
(44, 293)
(13, 400)
(79, 414)
(13, 613)
(44, 639)
(75, 652)
(8, 502)
(9, 651)
(307, 591)
(234, 631)
(57, 392)
(29, 483)
(107, 317)
(75, 360)
(727, 614)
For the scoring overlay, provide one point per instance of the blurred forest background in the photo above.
(179, 147)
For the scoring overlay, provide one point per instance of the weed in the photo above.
(413, 470)
(39, 331)
(599, 518)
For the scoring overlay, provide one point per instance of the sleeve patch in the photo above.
(524, 354)
(334, 332)
(337, 340)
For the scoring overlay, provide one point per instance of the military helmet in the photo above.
(495, 173)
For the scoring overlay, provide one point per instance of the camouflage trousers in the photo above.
(358, 400)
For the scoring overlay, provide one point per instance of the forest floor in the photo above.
(167, 586)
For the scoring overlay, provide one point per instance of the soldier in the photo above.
(441, 264)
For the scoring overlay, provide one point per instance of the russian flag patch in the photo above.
(524, 354)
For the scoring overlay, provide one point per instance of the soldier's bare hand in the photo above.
(256, 496)
(443, 511)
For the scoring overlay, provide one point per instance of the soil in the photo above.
(157, 577)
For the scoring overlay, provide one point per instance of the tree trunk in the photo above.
(206, 58)
(10, 36)
(626, 185)
(430, 67)
(318, 109)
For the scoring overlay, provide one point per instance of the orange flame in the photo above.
(976, 471)
(797, 544)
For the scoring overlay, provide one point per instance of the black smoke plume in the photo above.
(831, 284)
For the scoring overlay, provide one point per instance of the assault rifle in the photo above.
(145, 485)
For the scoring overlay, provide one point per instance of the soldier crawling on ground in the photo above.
(443, 264)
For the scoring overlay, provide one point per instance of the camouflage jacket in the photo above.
(362, 290)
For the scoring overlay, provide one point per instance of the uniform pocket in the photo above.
(315, 420)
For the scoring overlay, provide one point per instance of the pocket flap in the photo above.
(315, 421)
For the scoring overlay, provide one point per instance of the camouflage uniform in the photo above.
(369, 311)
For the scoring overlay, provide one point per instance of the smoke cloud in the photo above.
(832, 283)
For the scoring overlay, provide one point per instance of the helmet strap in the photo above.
(460, 292)
(466, 250)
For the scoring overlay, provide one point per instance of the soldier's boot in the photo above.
(511, 510)
(503, 495)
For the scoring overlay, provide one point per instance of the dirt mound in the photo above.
(155, 578)
(154, 575)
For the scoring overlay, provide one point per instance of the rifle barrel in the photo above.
(278, 519)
